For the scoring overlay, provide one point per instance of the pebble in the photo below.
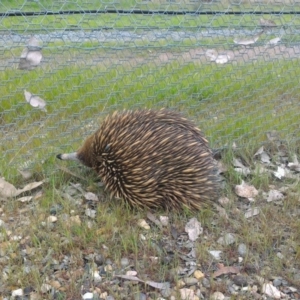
(277, 282)
(242, 250)
(88, 296)
(240, 280)
(227, 239)
(90, 213)
(190, 281)
(140, 296)
(143, 224)
(124, 262)
(108, 268)
(99, 260)
(280, 255)
(17, 293)
(217, 296)
(216, 254)
(54, 209)
(205, 282)
(131, 273)
(97, 277)
(51, 219)
(103, 295)
(186, 294)
(45, 288)
(109, 298)
(75, 220)
(166, 292)
(198, 274)
(164, 220)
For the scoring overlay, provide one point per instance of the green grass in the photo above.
(230, 102)
(42, 5)
(94, 21)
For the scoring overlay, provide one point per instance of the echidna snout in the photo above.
(152, 158)
(68, 156)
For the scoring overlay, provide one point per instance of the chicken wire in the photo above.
(232, 66)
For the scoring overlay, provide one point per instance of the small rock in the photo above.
(205, 282)
(103, 295)
(55, 209)
(88, 296)
(99, 260)
(109, 298)
(217, 296)
(124, 262)
(198, 274)
(279, 255)
(166, 292)
(271, 291)
(90, 213)
(242, 250)
(227, 239)
(190, 281)
(108, 268)
(91, 196)
(131, 273)
(164, 220)
(45, 288)
(277, 282)
(216, 254)
(140, 296)
(143, 224)
(75, 220)
(186, 294)
(97, 277)
(51, 219)
(17, 293)
(180, 284)
(240, 280)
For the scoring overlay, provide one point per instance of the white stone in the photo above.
(16, 293)
(217, 296)
(88, 296)
(52, 219)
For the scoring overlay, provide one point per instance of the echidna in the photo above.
(151, 158)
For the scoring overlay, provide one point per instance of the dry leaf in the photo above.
(157, 285)
(259, 151)
(279, 173)
(35, 101)
(152, 218)
(7, 190)
(193, 229)
(29, 187)
(225, 270)
(25, 199)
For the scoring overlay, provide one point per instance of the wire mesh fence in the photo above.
(232, 66)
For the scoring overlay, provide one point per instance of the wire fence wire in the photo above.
(232, 66)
